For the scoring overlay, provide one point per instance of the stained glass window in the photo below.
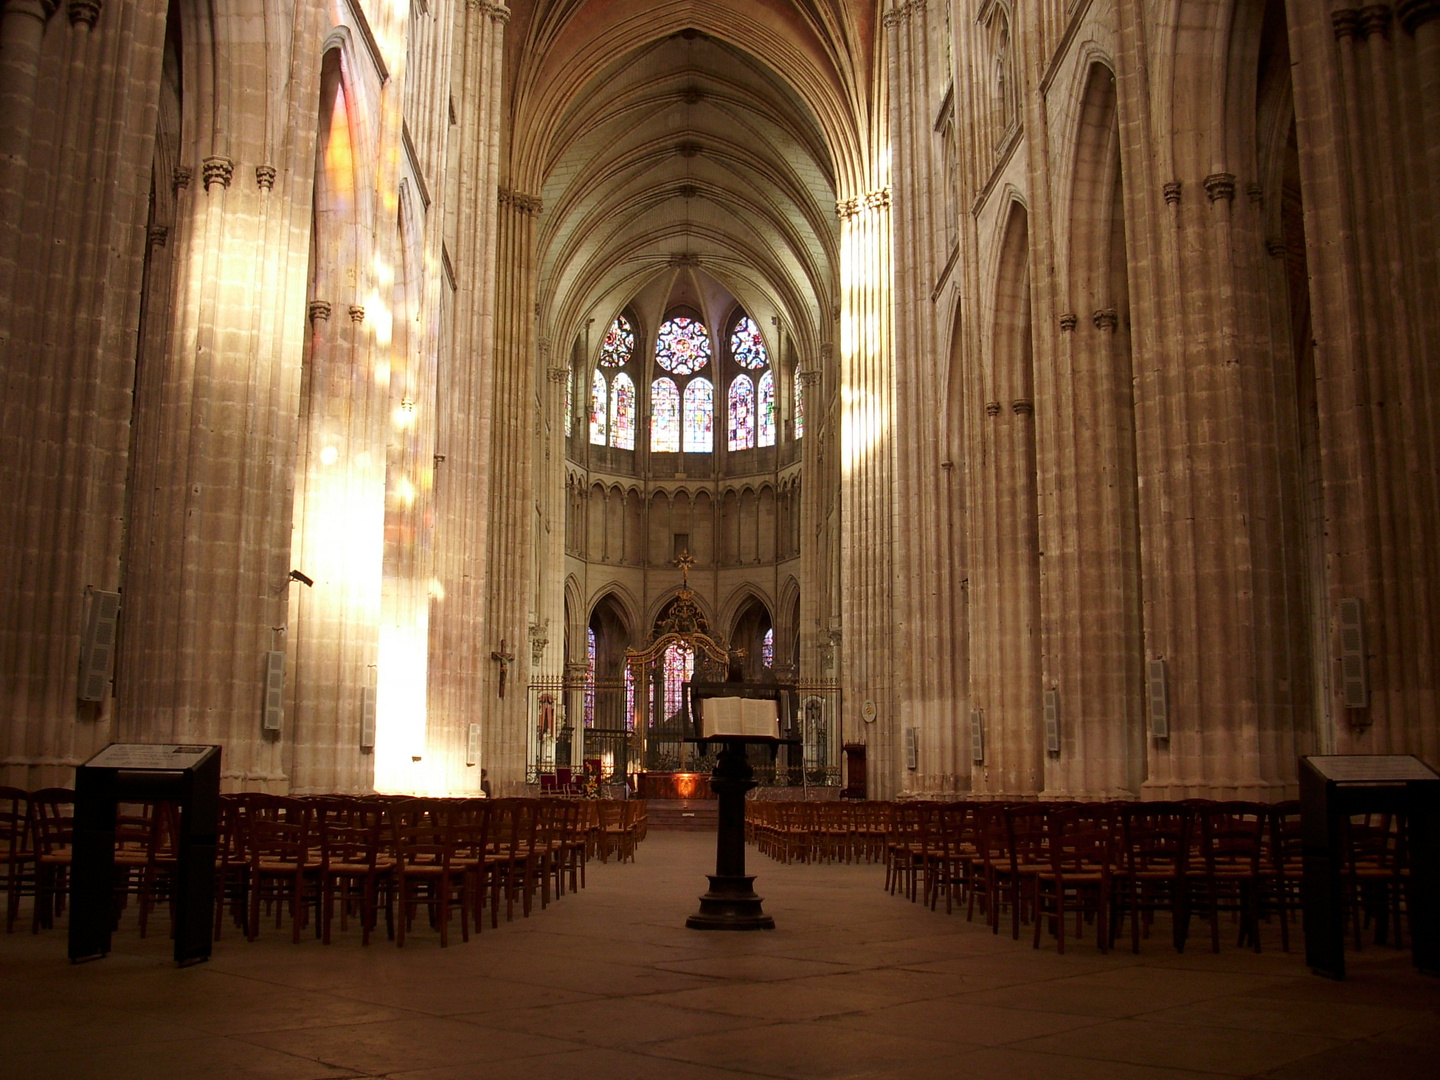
(699, 417)
(767, 648)
(599, 408)
(765, 421)
(799, 406)
(622, 412)
(590, 677)
(742, 413)
(664, 417)
(747, 346)
(619, 343)
(569, 402)
(679, 666)
(683, 346)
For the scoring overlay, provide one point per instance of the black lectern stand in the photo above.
(731, 903)
(188, 775)
(1333, 787)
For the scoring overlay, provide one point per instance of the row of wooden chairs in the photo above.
(1103, 863)
(374, 854)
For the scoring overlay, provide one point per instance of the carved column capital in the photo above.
(1171, 191)
(180, 178)
(84, 11)
(992, 408)
(1414, 14)
(217, 170)
(156, 235)
(1345, 22)
(525, 204)
(319, 311)
(265, 177)
(1022, 407)
(357, 314)
(1220, 186)
(1375, 19)
(1106, 319)
(1069, 321)
(1275, 247)
(558, 374)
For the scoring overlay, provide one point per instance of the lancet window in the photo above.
(664, 416)
(742, 413)
(699, 416)
(599, 409)
(765, 411)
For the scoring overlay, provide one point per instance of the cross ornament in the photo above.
(503, 657)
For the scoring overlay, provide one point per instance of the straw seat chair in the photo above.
(17, 849)
(1151, 865)
(1076, 875)
(52, 824)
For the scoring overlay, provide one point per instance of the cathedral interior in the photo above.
(1047, 390)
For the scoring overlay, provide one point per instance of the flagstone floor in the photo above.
(609, 984)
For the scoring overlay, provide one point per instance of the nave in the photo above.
(608, 984)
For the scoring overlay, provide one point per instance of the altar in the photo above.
(673, 785)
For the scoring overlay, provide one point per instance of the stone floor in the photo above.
(609, 984)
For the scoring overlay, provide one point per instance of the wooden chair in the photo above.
(1027, 842)
(284, 870)
(1076, 875)
(1282, 865)
(1226, 876)
(1151, 868)
(17, 848)
(356, 866)
(425, 871)
(52, 824)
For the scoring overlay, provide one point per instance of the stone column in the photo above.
(461, 674)
(75, 162)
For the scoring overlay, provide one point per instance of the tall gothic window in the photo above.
(664, 416)
(799, 406)
(569, 402)
(742, 413)
(682, 348)
(599, 408)
(747, 349)
(622, 412)
(679, 666)
(767, 648)
(699, 416)
(765, 412)
(629, 698)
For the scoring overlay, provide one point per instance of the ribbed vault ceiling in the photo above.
(687, 157)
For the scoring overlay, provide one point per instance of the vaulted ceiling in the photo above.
(689, 140)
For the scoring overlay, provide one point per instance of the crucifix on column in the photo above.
(503, 657)
(685, 562)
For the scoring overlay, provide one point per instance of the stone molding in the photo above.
(525, 204)
(557, 374)
(992, 408)
(265, 177)
(684, 258)
(1171, 191)
(1069, 321)
(217, 170)
(357, 314)
(1022, 407)
(156, 235)
(84, 11)
(692, 95)
(319, 311)
(181, 177)
(1220, 186)
(1106, 319)
(1275, 248)
(1414, 14)
(688, 149)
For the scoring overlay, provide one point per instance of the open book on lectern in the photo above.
(746, 717)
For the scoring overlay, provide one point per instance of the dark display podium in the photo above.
(186, 775)
(731, 903)
(1332, 788)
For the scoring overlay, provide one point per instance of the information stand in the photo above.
(134, 772)
(731, 903)
(1333, 787)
